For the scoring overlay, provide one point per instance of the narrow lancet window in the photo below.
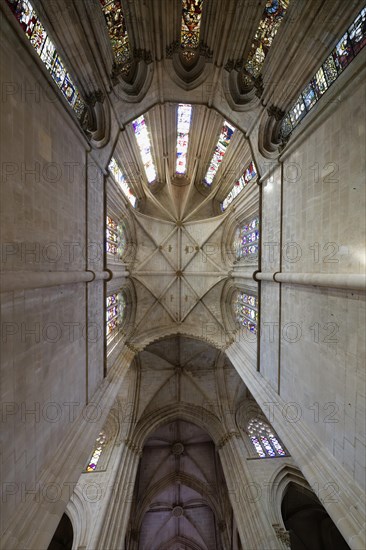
(115, 237)
(98, 449)
(190, 27)
(117, 30)
(219, 152)
(184, 115)
(144, 144)
(272, 17)
(45, 48)
(249, 173)
(120, 178)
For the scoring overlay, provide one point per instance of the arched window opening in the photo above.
(272, 17)
(116, 312)
(190, 28)
(246, 239)
(120, 179)
(249, 173)
(144, 144)
(345, 51)
(264, 439)
(45, 48)
(63, 536)
(307, 522)
(115, 237)
(219, 152)
(245, 310)
(117, 30)
(98, 449)
(184, 115)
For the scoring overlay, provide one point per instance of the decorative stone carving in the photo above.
(177, 512)
(177, 448)
(227, 438)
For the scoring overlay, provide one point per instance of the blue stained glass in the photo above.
(249, 173)
(357, 32)
(309, 97)
(319, 83)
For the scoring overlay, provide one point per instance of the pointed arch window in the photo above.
(116, 313)
(264, 440)
(115, 237)
(190, 27)
(269, 24)
(144, 144)
(219, 152)
(245, 308)
(99, 446)
(184, 115)
(249, 173)
(246, 239)
(117, 30)
(45, 48)
(345, 51)
(120, 178)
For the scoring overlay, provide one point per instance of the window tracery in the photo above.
(264, 439)
(219, 152)
(246, 239)
(344, 52)
(245, 308)
(45, 48)
(249, 173)
(184, 115)
(116, 313)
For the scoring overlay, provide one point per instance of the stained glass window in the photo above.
(347, 48)
(220, 150)
(41, 42)
(249, 173)
(272, 17)
(143, 141)
(116, 310)
(120, 178)
(115, 237)
(116, 24)
(264, 439)
(245, 310)
(98, 449)
(184, 115)
(246, 239)
(190, 27)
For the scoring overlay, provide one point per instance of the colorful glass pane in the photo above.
(143, 142)
(98, 449)
(249, 173)
(272, 17)
(347, 48)
(117, 30)
(119, 178)
(265, 442)
(115, 312)
(43, 45)
(220, 150)
(184, 115)
(246, 239)
(245, 309)
(191, 24)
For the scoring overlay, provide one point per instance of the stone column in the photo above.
(113, 532)
(253, 525)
